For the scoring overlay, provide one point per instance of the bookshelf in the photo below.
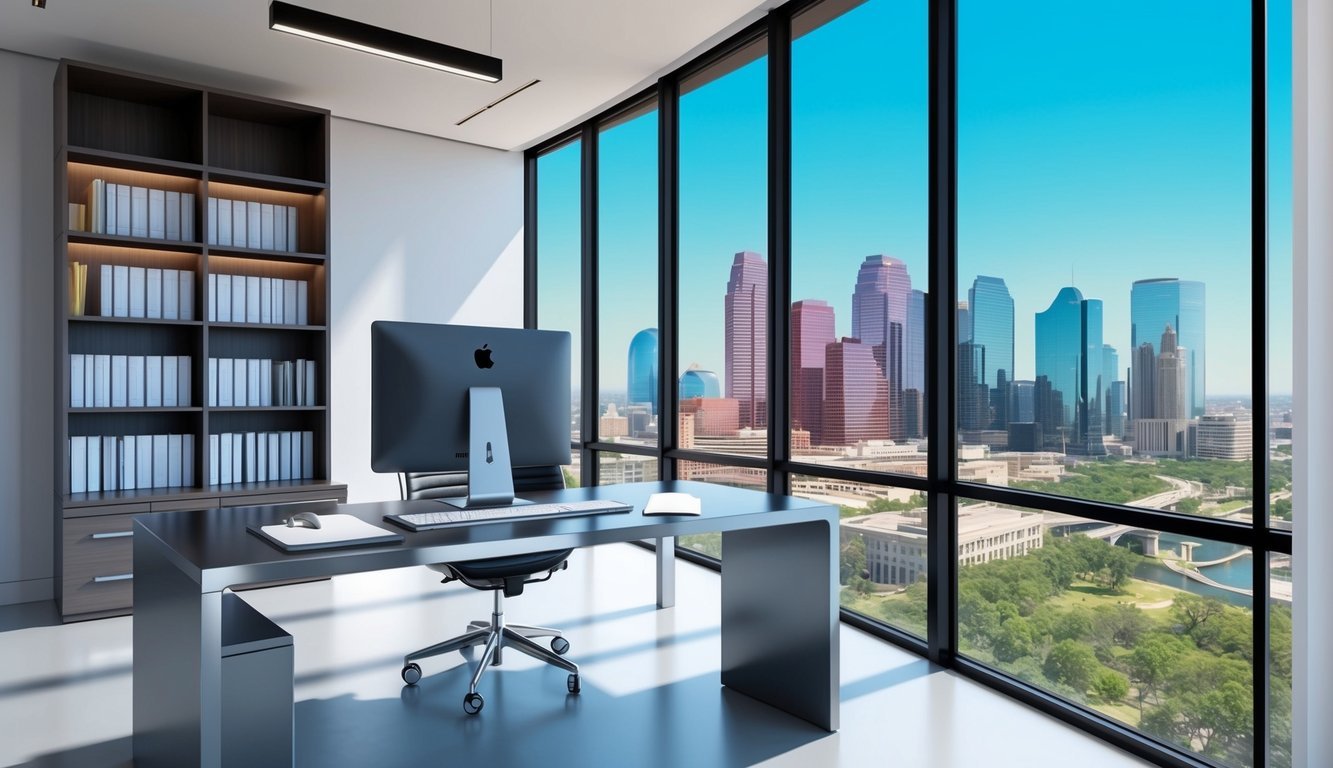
(181, 144)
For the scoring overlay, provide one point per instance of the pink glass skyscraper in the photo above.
(746, 345)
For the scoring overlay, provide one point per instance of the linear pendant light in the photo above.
(327, 28)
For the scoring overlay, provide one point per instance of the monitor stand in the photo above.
(490, 476)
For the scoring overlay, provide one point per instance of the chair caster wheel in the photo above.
(573, 683)
(411, 673)
(560, 645)
(472, 703)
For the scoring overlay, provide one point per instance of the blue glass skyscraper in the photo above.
(992, 313)
(642, 368)
(1155, 304)
(1069, 356)
(696, 382)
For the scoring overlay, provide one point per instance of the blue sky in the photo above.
(1098, 143)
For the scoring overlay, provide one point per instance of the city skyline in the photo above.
(1162, 166)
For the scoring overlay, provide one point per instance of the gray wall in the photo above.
(26, 327)
(1312, 452)
(423, 229)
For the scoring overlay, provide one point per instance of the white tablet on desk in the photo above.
(672, 504)
(335, 531)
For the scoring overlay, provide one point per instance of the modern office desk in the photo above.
(779, 594)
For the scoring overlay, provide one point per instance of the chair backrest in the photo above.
(442, 485)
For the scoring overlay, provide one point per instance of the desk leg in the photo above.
(780, 618)
(666, 571)
(177, 664)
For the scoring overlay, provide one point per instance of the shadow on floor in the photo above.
(108, 754)
(529, 719)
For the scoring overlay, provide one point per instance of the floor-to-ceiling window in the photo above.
(627, 352)
(559, 265)
(857, 362)
(1100, 521)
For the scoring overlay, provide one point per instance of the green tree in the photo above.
(570, 480)
(1119, 624)
(1110, 685)
(1189, 506)
(1151, 662)
(852, 558)
(1192, 611)
(1014, 640)
(1072, 663)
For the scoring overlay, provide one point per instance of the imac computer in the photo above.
(456, 397)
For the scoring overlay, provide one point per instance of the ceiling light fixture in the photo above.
(316, 25)
(38, 3)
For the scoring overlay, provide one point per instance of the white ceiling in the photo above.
(587, 53)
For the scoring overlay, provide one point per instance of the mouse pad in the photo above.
(336, 531)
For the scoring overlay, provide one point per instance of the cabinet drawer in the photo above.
(98, 564)
(299, 497)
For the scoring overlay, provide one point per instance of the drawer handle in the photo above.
(113, 535)
(117, 577)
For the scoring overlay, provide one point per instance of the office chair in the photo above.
(505, 576)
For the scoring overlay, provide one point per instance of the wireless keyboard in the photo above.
(425, 521)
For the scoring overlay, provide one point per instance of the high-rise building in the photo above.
(964, 322)
(642, 368)
(856, 395)
(1069, 355)
(881, 297)
(1155, 304)
(746, 341)
(1172, 396)
(1224, 436)
(697, 382)
(1143, 384)
(1110, 373)
(992, 311)
(1021, 407)
(914, 376)
(1059, 338)
(973, 394)
(811, 332)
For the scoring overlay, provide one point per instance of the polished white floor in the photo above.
(651, 693)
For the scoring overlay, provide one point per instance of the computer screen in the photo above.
(421, 379)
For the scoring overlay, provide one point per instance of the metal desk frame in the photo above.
(779, 593)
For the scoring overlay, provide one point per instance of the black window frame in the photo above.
(941, 486)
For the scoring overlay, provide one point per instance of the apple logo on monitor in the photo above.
(483, 357)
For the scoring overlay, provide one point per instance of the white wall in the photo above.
(426, 230)
(26, 326)
(1312, 92)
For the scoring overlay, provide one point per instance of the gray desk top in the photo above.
(213, 548)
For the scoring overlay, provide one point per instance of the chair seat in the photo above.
(505, 567)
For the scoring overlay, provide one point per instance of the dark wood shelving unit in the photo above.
(141, 131)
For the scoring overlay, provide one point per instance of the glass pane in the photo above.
(1147, 628)
(1281, 293)
(859, 215)
(737, 477)
(1279, 660)
(882, 568)
(627, 273)
(1104, 252)
(626, 468)
(723, 306)
(559, 255)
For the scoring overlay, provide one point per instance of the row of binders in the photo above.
(149, 292)
(129, 381)
(261, 383)
(247, 224)
(258, 457)
(121, 209)
(99, 463)
(250, 299)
